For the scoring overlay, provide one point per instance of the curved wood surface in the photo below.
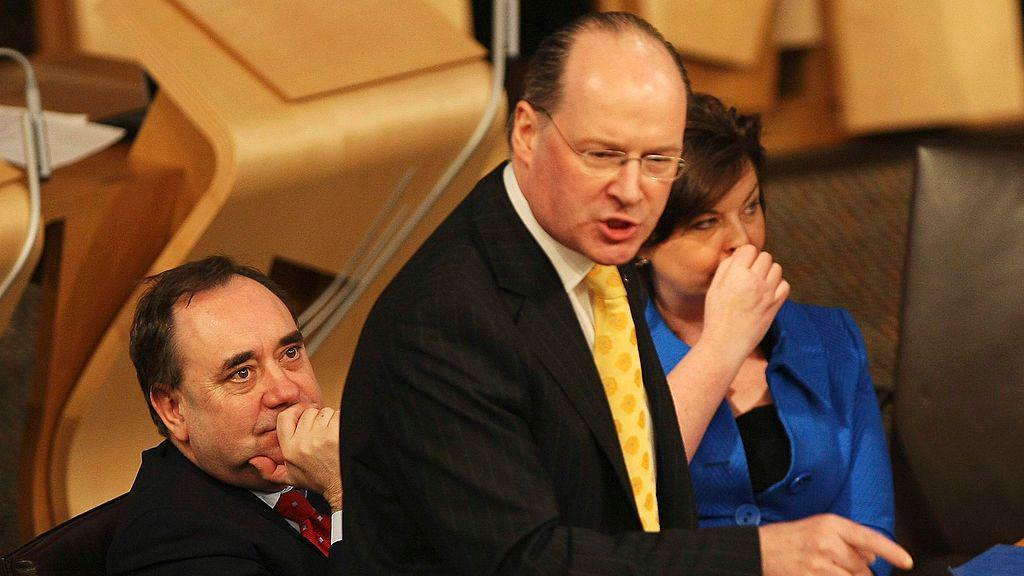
(225, 165)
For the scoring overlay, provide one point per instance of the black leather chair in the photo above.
(958, 420)
(76, 547)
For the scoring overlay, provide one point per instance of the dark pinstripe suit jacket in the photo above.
(476, 437)
(179, 520)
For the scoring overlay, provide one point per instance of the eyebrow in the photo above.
(753, 193)
(293, 338)
(237, 359)
(598, 143)
(242, 357)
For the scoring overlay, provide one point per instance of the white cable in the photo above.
(350, 281)
(34, 209)
(306, 319)
(35, 110)
(499, 46)
(33, 165)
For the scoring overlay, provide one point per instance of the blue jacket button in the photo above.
(799, 483)
(748, 515)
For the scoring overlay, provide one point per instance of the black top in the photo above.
(766, 445)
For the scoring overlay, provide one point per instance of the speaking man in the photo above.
(505, 412)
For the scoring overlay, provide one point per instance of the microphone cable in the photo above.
(37, 162)
(504, 41)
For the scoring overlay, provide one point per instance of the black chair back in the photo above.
(76, 547)
(958, 419)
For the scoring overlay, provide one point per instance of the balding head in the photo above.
(544, 81)
(616, 92)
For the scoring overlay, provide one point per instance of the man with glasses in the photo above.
(505, 412)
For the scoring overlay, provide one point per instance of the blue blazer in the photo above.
(818, 376)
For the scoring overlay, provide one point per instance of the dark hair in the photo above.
(718, 145)
(152, 346)
(542, 85)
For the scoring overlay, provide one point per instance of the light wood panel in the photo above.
(798, 24)
(809, 118)
(256, 177)
(919, 63)
(726, 32)
(303, 53)
(751, 90)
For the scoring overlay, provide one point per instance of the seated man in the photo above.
(223, 369)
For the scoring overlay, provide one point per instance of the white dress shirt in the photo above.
(571, 266)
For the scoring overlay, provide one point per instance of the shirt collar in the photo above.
(271, 498)
(571, 266)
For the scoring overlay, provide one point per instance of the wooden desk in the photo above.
(98, 240)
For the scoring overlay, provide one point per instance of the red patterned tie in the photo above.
(313, 525)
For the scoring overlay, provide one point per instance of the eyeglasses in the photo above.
(608, 163)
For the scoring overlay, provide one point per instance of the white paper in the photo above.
(71, 137)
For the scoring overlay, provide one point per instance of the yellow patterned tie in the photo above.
(618, 363)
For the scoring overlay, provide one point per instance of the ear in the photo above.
(167, 403)
(525, 132)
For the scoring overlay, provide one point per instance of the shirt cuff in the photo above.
(335, 527)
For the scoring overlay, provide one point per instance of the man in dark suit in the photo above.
(482, 433)
(247, 481)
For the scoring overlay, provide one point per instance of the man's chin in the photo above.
(613, 255)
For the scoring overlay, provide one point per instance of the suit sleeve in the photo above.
(867, 496)
(467, 464)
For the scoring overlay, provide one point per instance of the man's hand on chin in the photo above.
(309, 443)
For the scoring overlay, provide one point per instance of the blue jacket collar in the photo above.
(793, 341)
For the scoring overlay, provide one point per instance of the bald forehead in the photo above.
(621, 74)
(603, 65)
(632, 54)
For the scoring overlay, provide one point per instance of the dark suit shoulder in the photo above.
(179, 520)
(164, 538)
(459, 267)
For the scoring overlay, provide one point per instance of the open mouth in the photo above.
(618, 229)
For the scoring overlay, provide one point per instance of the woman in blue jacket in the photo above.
(775, 403)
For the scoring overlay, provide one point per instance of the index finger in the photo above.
(744, 255)
(869, 541)
(288, 420)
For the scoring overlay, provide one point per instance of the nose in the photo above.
(626, 186)
(737, 236)
(281, 389)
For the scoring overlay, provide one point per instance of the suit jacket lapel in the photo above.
(544, 313)
(676, 507)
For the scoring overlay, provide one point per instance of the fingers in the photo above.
(300, 418)
(868, 541)
(782, 292)
(745, 255)
(762, 265)
(850, 560)
(269, 470)
(288, 420)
